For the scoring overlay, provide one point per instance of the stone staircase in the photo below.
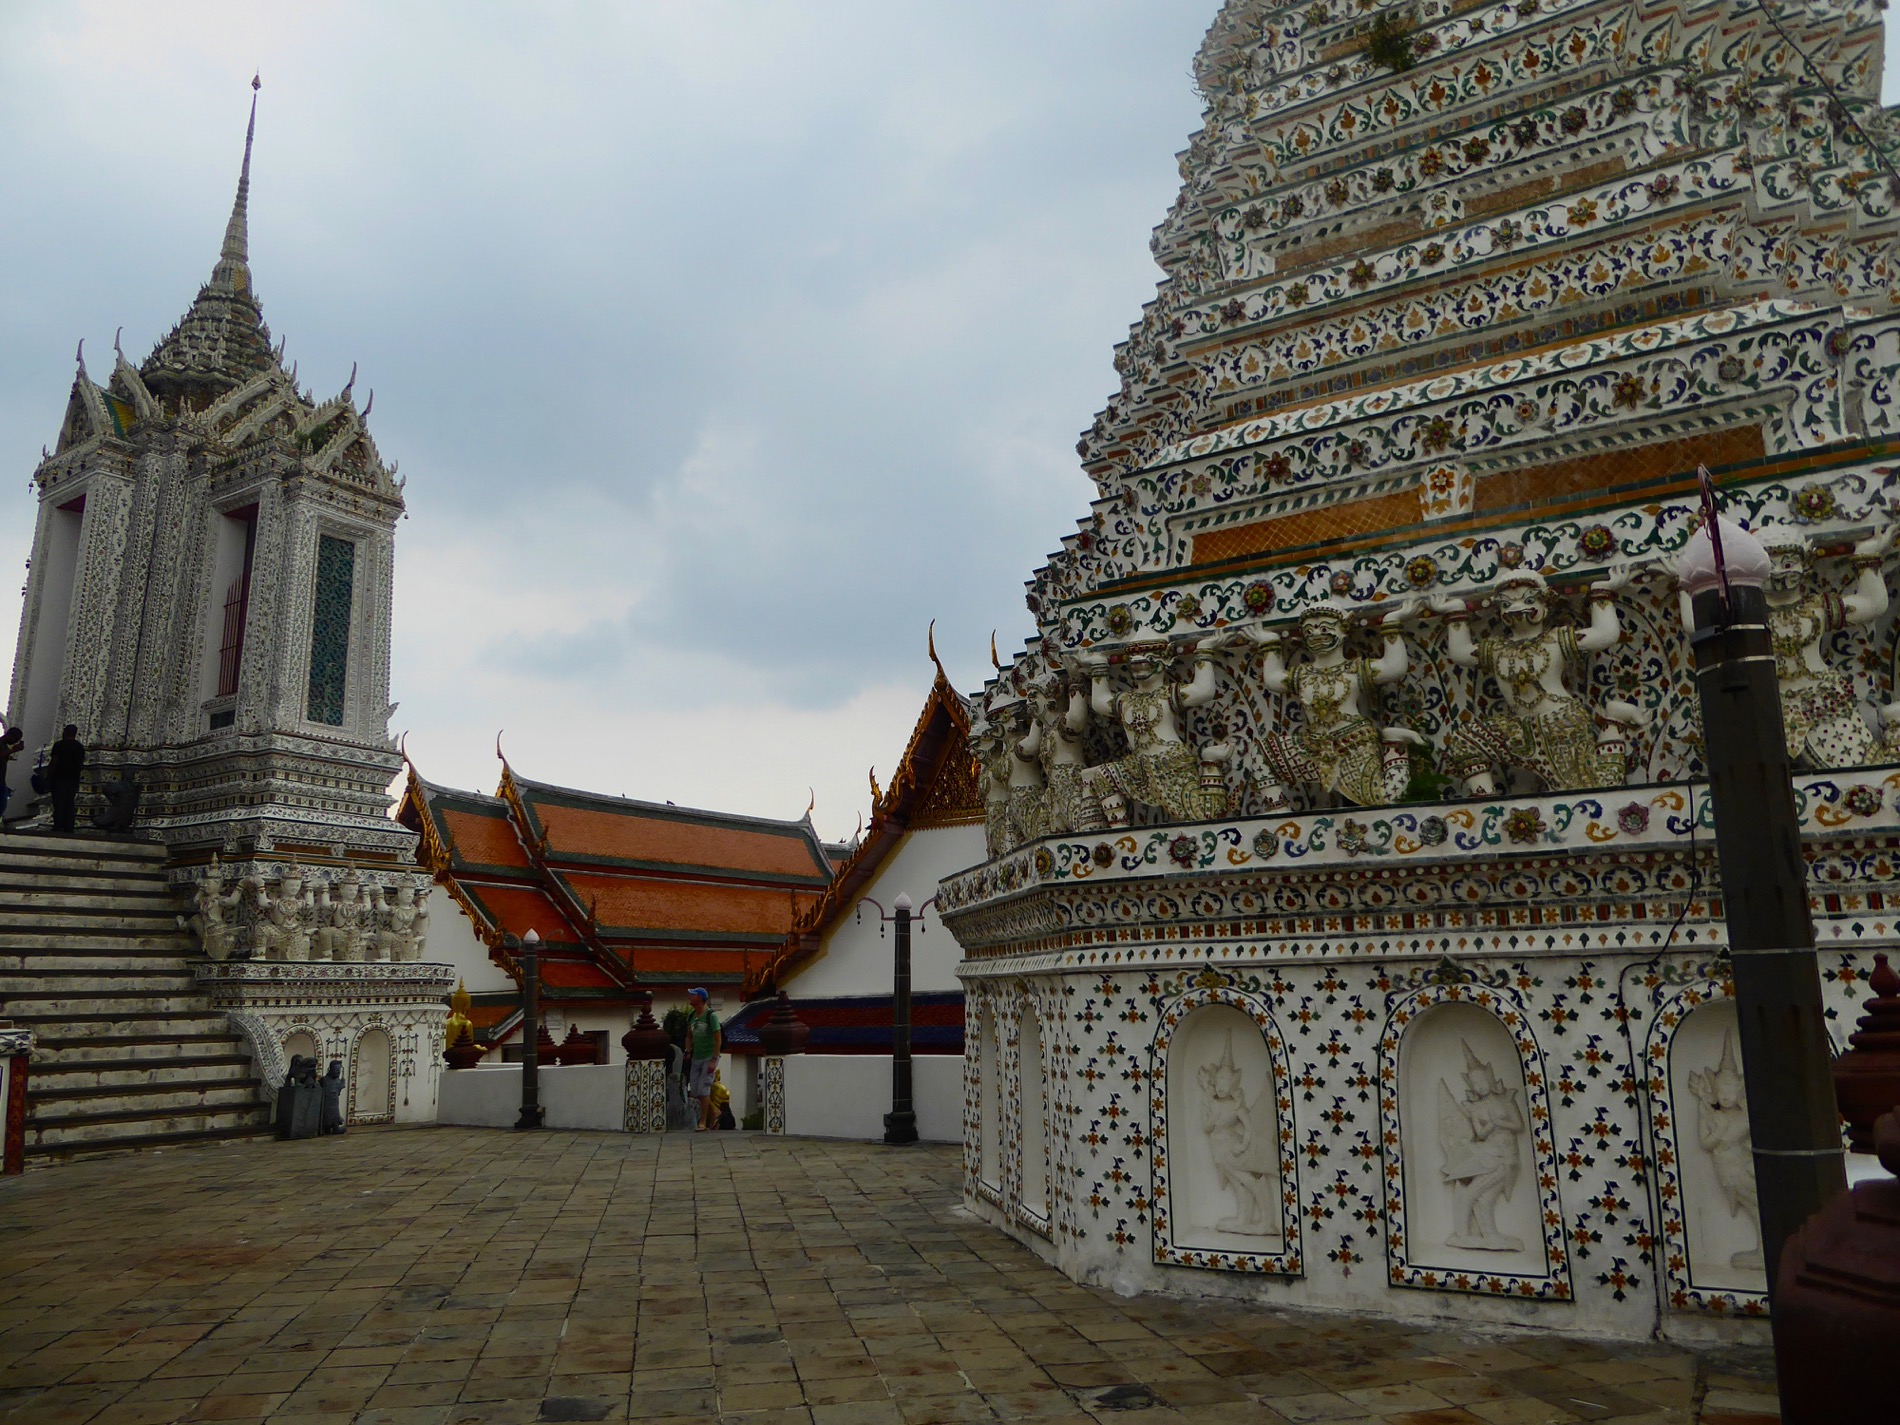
(127, 1053)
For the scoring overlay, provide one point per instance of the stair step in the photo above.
(59, 1029)
(108, 1130)
(43, 1154)
(137, 962)
(144, 978)
(65, 1005)
(131, 1048)
(62, 914)
(61, 1078)
(15, 941)
(52, 1104)
(132, 889)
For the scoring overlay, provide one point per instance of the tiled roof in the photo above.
(646, 895)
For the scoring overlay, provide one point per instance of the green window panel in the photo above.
(330, 629)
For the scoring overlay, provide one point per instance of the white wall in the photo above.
(453, 941)
(847, 1095)
(576, 1096)
(853, 960)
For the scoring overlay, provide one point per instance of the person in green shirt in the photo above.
(704, 1034)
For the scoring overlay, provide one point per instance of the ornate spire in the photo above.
(233, 272)
(221, 342)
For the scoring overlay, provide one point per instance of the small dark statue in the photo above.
(300, 1100)
(121, 810)
(332, 1086)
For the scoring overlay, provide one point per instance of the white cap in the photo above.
(903, 900)
(1743, 557)
(531, 939)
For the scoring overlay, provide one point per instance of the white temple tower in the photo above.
(209, 594)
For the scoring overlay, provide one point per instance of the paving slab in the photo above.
(449, 1276)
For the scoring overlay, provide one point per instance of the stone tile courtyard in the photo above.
(439, 1275)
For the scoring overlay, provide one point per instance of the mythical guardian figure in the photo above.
(1245, 1138)
(1545, 729)
(1055, 740)
(1818, 708)
(1160, 769)
(1722, 1130)
(283, 927)
(1480, 1137)
(1339, 749)
(215, 935)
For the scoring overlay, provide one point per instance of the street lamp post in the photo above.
(1793, 1122)
(531, 1109)
(900, 1124)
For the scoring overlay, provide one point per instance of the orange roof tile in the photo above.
(483, 840)
(622, 902)
(632, 837)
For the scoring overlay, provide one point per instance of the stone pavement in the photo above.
(439, 1275)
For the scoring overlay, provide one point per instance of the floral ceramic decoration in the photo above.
(1814, 502)
(1633, 819)
(1598, 541)
(1524, 825)
(1265, 844)
(1422, 570)
(1862, 799)
(1432, 830)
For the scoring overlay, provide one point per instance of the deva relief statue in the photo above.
(1054, 739)
(1245, 1139)
(1481, 1135)
(1338, 749)
(1722, 1130)
(1546, 730)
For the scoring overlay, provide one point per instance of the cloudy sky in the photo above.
(724, 344)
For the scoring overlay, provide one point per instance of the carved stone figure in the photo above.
(283, 931)
(331, 1086)
(215, 935)
(1245, 1139)
(1028, 798)
(1722, 1130)
(346, 920)
(1160, 769)
(1480, 1136)
(1818, 708)
(1339, 750)
(992, 751)
(1061, 713)
(323, 924)
(1545, 729)
(399, 916)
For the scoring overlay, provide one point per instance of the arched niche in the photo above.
(1225, 1170)
(1720, 1230)
(1469, 1133)
(1032, 1203)
(300, 1041)
(370, 1078)
(989, 1161)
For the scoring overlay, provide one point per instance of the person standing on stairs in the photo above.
(12, 743)
(64, 764)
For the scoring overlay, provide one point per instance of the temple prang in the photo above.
(1374, 876)
(210, 592)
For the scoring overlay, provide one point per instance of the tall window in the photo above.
(237, 609)
(330, 629)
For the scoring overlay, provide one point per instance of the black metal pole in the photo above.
(900, 1124)
(530, 1034)
(1785, 1053)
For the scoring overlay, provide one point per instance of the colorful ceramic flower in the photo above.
(1341, 582)
(1265, 845)
(1633, 820)
(1045, 862)
(1258, 598)
(1863, 800)
(1598, 541)
(1103, 855)
(1814, 502)
(1183, 850)
(1510, 555)
(1433, 831)
(1120, 620)
(1524, 825)
(1422, 570)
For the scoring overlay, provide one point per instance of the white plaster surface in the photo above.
(854, 960)
(575, 1096)
(1033, 1118)
(452, 941)
(847, 1095)
(990, 1165)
